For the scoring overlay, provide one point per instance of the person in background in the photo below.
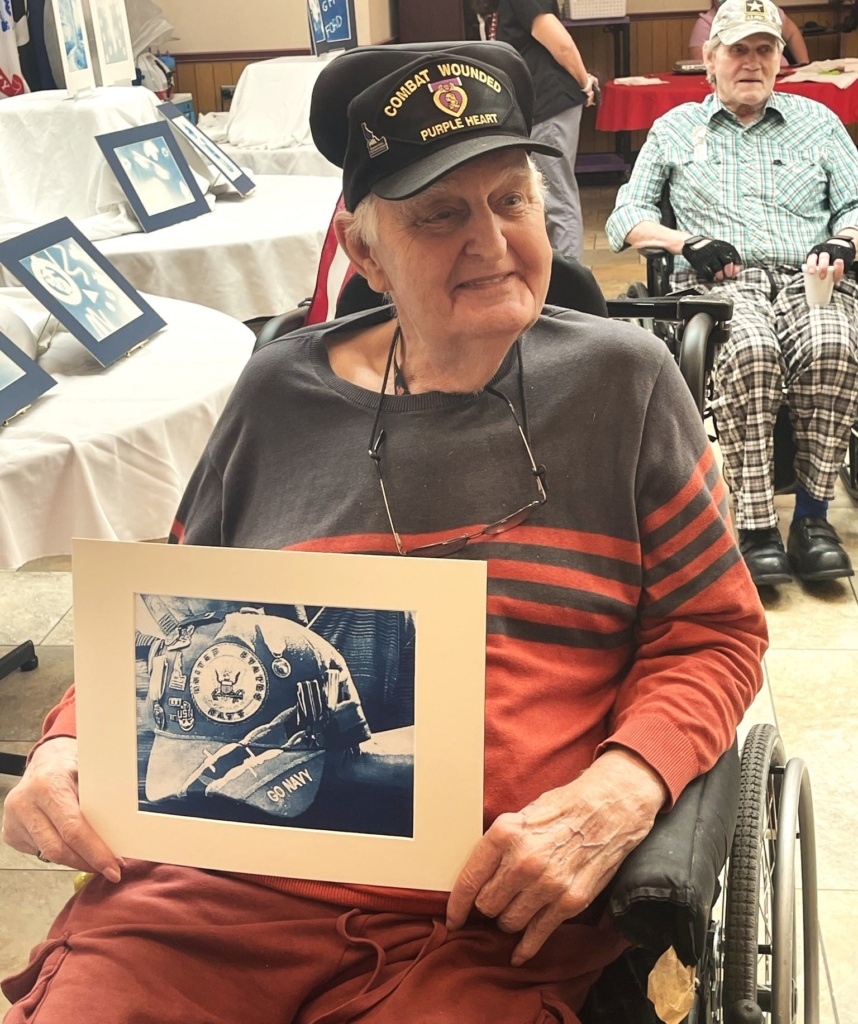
(563, 87)
(791, 33)
(762, 183)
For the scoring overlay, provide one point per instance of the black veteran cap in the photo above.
(397, 118)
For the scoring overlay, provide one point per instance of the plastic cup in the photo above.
(816, 289)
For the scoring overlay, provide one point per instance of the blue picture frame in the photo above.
(332, 25)
(59, 265)
(209, 149)
(154, 175)
(22, 380)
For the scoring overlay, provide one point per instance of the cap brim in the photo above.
(417, 176)
(171, 761)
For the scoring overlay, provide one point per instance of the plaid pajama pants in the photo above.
(780, 349)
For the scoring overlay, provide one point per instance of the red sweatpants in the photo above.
(173, 945)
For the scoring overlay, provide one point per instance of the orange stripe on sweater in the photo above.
(690, 571)
(709, 514)
(536, 536)
(556, 615)
(683, 497)
(558, 576)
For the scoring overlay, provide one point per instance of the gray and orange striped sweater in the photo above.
(620, 613)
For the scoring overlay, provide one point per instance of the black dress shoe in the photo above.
(763, 551)
(815, 550)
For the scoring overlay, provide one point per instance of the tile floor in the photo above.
(811, 672)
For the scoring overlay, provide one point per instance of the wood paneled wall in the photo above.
(203, 74)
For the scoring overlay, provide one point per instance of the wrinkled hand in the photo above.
(547, 863)
(42, 813)
(713, 259)
(837, 255)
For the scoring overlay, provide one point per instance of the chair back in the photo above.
(331, 277)
(573, 286)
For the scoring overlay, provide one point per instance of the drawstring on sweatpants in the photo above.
(370, 995)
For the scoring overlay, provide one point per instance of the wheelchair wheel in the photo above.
(692, 357)
(759, 947)
(748, 911)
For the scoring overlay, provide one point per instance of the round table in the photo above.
(252, 257)
(107, 453)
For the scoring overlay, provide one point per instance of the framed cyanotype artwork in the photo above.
(22, 380)
(210, 150)
(332, 25)
(283, 713)
(86, 293)
(73, 44)
(154, 175)
(112, 42)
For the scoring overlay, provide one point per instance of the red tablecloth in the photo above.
(628, 107)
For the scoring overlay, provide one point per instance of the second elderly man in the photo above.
(762, 183)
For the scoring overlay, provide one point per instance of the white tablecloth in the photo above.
(51, 166)
(267, 129)
(108, 453)
(305, 159)
(249, 258)
(271, 105)
(252, 257)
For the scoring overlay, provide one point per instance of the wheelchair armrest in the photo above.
(663, 892)
(650, 252)
(679, 309)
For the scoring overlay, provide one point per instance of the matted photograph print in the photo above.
(73, 44)
(22, 380)
(60, 266)
(154, 175)
(286, 713)
(112, 42)
(210, 150)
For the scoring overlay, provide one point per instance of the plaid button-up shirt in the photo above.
(774, 188)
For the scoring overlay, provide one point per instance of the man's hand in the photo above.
(547, 863)
(42, 814)
(712, 258)
(837, 254)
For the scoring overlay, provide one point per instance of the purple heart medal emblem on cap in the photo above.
(449, 96)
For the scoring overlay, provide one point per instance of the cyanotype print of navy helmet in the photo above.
(244, 705)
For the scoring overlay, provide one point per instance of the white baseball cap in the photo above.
(738, 19)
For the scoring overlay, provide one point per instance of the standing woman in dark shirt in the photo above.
(562, 88)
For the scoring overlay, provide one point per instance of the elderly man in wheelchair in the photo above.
(760, 184)
(624, 633)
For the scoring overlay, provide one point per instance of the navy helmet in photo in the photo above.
(398, 118)
(244, 707)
